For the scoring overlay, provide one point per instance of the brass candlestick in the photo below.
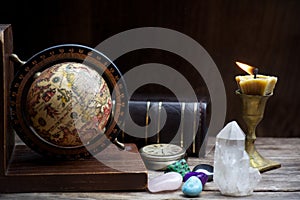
(253, 111)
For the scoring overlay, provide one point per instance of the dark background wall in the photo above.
(263, 33)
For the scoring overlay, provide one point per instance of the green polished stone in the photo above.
(180, 167)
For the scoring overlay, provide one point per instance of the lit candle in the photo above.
(254, 83)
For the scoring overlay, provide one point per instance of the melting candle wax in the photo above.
(261, 85)
(255, 84)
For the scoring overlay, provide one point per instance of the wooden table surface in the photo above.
(278, 184)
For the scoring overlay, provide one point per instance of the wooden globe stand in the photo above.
(23, 170)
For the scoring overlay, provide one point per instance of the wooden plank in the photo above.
(109, 170)
(282, 183)
(112, 160)
(146, 195)
(6, 74)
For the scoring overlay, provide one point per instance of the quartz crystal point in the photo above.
(232, 172)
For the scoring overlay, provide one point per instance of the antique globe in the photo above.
(68, 104)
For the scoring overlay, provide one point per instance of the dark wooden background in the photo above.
(264, 33)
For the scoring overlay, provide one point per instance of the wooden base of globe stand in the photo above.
(22, 170)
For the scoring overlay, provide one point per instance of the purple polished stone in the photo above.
(202, 176)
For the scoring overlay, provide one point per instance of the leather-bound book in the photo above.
(185, 124)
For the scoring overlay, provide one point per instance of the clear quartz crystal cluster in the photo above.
(232, 172)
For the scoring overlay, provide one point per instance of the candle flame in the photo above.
(247, 68)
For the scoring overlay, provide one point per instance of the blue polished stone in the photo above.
(192, 187)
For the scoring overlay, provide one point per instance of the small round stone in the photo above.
(180, 166)
(205, 168)
(202, 176)
(192, 187)
(166, 182)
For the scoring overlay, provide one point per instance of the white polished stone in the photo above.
(166, 182)
(232, 172)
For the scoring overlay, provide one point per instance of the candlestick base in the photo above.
(253, 111)
(261, 163)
